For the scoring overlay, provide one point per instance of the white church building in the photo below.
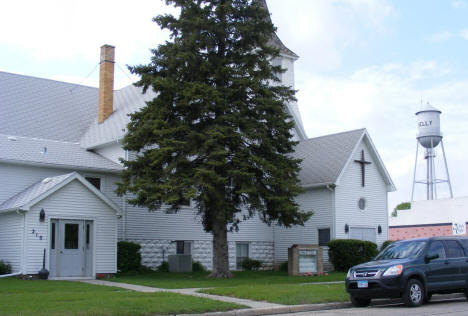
(60, 145)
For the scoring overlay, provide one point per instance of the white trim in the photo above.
(60, 166)
(73, 176)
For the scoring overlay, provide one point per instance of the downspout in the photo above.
(331, 188)
(124, 207)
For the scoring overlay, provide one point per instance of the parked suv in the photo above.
(412, 269)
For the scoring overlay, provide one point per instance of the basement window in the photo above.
(184, 247)
(242, 253)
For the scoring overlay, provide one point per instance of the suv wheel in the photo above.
(414, 293)
(360, 302)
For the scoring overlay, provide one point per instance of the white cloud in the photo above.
(457, 4)
(323, 29)
(464, 34)
(61, 30)
(440, 37)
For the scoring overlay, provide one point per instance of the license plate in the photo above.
(362, 284)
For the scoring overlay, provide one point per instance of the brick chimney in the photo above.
(106, 83)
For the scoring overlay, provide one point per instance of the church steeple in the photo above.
(275, 41)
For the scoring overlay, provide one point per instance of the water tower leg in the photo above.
(446, 170)
(429, 175)
(414, 174)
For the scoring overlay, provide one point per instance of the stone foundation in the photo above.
(154, 251)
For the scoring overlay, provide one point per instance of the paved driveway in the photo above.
(454, 305)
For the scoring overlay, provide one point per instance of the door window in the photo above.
(437, 248)
(71, 236)
(52, 236)
(454, 250)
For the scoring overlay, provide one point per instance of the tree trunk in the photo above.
(220, 250)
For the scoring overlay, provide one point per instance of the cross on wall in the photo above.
(363, 163)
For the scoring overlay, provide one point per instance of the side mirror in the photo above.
(433, 256)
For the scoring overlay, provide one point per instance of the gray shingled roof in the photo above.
(41, 189)
(44, 108)
(19, 200)
(52, 153)
(126, 100)
(325, 157)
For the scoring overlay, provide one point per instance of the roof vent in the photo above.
(46, 180)
(12, 138)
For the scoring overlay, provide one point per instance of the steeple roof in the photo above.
(275, 40)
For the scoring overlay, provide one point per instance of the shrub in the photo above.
(163, 267)
(386, 243)
(400, 207)
(345, 253)
(251, 264)
(197, 267)
(128, 256)
(283, 267)
(5, 268)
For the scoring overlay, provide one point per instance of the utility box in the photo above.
(180, 263)
(305, 259)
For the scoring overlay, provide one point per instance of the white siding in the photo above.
(350, 190)
(320, 201)
(16, 178)
(74, 201)
(11, 239)
(112, 152)
(185, 225)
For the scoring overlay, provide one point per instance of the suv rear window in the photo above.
(454, 250)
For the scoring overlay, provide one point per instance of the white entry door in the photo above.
(71, 248)
(71, 255)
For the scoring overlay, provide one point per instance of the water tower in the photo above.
(429, 137)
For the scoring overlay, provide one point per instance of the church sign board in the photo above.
(305, 259)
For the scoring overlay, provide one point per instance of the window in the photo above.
(362, 203)
(71, 236)
(454, 250)
(96, 182)
(183, 247)
(437, 248)
(242, 253)
(88, 234)
(323, 236)
(52, 236)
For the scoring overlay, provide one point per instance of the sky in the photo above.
(363, 63)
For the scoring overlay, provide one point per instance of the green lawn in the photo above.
(287, 294)
(18, 297)
(197, 280)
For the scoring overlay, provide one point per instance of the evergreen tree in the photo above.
(217, 132)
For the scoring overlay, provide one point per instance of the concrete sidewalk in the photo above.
(255, 307)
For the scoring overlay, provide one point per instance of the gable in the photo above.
(41, 190)
(324, 158)
(371, 155)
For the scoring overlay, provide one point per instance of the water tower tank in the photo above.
(428, 118)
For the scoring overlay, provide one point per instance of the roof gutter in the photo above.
(328, 185)
(59, 166)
